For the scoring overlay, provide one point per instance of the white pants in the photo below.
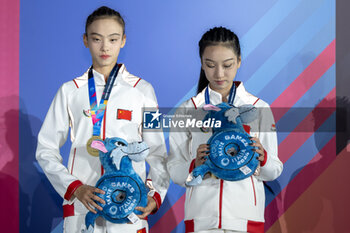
(75, 224)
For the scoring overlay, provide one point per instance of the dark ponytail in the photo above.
(216, 36)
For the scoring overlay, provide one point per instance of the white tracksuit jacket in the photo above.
(70, 109)
(215, 203)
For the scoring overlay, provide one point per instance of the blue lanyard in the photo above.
(231, 97)
(98, 111)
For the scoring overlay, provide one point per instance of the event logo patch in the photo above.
(87, 113)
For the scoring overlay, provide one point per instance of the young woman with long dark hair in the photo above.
(218, 205)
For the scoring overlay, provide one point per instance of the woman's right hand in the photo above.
(202, 152)
(86, 194)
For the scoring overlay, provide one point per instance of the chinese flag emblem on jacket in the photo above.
(124, 114)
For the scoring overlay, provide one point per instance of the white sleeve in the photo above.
(52, 136)
(158, 177)
(272, 167)
(180, 161)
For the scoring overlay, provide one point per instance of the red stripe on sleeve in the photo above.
(192, 166)
(255, 227)
(68, 210)
(189, 226)
(71, 189)
(158, 200)
(265, 159)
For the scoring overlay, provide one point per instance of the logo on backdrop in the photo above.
(151, 119)
(157, 119)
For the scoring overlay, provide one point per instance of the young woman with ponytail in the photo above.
(75, 109)
(217, 205)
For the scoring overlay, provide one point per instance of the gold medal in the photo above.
(90, 150)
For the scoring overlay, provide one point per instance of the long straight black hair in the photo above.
(216, 36)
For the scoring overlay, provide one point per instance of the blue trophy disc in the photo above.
(122, 195)
(232, 158)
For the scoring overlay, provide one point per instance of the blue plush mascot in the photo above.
(124, 189)
(231, 156)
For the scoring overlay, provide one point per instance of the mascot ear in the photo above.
(99, 145)
(248, 113)
(209, 107)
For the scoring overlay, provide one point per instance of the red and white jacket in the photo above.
(216, 203)
(70, 109)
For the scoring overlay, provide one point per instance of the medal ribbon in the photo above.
(98, 111)
(231, 96)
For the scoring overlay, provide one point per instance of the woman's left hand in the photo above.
(151, 206)
(258, 148)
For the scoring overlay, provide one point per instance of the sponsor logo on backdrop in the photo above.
(158, 120)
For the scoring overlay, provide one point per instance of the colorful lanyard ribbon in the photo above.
(98, 111)
(231, 97)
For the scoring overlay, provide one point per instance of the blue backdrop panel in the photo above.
(279, 40)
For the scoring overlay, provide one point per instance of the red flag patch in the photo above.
(143, 230)
(124, 114)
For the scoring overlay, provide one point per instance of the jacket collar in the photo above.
(242, 96)
(216, 97)
(100, 80)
